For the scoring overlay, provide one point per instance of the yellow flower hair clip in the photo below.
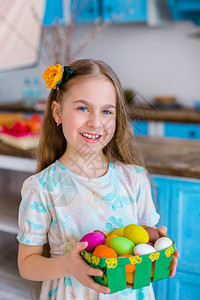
(54, 75)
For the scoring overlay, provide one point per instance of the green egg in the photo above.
(122, 245)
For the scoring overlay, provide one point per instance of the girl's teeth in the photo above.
(95, 136)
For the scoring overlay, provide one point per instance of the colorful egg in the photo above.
(104, 251)
(162, 243)
(119, 231)
(94, 239)
(153, 234)
(136, 233)
(109, 238)
(122, 245)
(142, 249)
(130, 278)
(129, 268)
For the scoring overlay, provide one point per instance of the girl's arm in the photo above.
(34, 266)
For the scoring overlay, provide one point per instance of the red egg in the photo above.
(153, 234)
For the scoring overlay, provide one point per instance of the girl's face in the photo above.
(88, 115)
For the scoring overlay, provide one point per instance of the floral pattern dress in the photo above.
(60, 207)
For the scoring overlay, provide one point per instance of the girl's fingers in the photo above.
(99, 288)
(94, 272)
(162, 229)
(173, 266)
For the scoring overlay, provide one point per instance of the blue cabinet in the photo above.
(85, 11)
(124, 11)
(185, 10)
(140, 127)
(181, 130)
(178, 203)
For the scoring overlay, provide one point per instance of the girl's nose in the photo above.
(94, 121)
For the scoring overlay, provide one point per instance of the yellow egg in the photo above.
(136, 233)
(130, 277)
(119, 231)
(109, 238)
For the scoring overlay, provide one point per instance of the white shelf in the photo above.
(8, 213)
(17, 163)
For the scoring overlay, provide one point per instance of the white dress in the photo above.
(60, 206)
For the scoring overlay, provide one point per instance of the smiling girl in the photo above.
(90, 177)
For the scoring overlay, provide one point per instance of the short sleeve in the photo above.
(146, 211)
(34, 218)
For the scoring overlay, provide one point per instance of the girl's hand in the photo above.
(163, 230)
(83, 272)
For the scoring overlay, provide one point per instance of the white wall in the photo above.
(153, 61)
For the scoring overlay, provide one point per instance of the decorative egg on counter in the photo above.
(163, 243)
(129, 268)
(109, 238)
(142, 249)
(104, 251)
(94, 239)
(136, 233)
(153, 234)
(122, 245)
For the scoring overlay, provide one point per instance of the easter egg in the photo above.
(94, 239)
(136, 233)
(109, 238)
(153, 234)
(162, 243)
(119, 231)
(129, 268)
(122, 245)
(130, 278)
(142, 249)
(104, 251)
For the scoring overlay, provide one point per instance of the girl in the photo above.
(90, 177)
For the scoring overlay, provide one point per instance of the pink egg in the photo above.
(94, 239)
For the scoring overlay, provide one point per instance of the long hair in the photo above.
(121, 148)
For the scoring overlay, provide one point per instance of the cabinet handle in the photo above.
(192, 133)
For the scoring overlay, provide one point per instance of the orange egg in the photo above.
(129, 268)
(104, 251)
(109, 238)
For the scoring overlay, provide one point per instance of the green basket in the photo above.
(148, 268)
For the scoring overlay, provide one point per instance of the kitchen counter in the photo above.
(164, 156)
(151, 113)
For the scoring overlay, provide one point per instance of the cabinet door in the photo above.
(185, 219)
(184, 286)
(180, 130)
(140, 127)
(85, 11)
(125, 11)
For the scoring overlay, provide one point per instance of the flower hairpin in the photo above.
(55, 75)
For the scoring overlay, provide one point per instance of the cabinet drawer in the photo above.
(176, 130)
(85, 12)
(125, 11)
(140, 127)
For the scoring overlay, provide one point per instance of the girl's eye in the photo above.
(82, 108)
(107, 112)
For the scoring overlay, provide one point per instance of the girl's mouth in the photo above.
(91, 138)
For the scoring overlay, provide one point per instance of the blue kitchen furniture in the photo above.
(185, 10)
(178, 202)
(140, 127)
(182, 130)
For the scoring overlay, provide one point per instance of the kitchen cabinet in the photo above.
(179, 205)
(13, 171)
(185, 10)
(118, 11)
(124, 11)
(167, 129)
(85, 12)
(181, 130)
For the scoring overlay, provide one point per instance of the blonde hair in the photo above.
(121, 148)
